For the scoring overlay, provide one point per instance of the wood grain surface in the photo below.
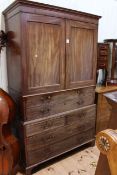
(52, 78)
(51, 123)
(46, 50)
(40, 106)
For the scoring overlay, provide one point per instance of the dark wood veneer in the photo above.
(56, 149)
(102, 56)
(60, 120)
(40, 106)
(51, 74)
(49, 10)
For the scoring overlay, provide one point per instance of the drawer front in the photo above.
(101, 64)
(72, 124)
(102, 58)
(53, 150)
(61, 120)
(40, 106)
(103, 52)
(103, 46)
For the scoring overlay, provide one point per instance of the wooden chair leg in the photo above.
(102, 166)
(106, 142)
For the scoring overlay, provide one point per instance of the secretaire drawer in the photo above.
(101, 64)
(103, 46)
(70, 124)
(80, 116)
(53, 150)
(102, 58)
(103, 52)
(39, 106)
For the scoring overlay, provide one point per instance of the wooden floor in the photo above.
(80, 162)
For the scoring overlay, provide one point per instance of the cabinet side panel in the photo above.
(13, 27)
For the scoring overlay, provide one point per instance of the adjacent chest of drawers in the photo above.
(51, 75)
(103, 107)
(103, 56)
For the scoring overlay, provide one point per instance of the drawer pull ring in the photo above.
(44, 111)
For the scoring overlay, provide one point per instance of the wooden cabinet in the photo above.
(112, 69)
(51, 75)
(103, 56)
(103, 107)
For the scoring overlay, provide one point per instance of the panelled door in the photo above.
(45, 53)
(81, 39)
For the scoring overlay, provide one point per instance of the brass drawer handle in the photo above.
(80, 102)
(48, 98)
(45, 98)
(44, 111)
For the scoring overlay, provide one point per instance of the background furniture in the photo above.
(103, 107)
(102, 63)
(102, 56)
(112, 61)
(103, 166)
(51, 75)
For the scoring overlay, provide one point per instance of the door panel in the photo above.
(81, 54)
(45, 53)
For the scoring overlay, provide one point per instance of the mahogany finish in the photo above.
(81, 53)
(103, 107)
(103, 164)
(9, 144)
(39, 106)
(103, 56)
(45, 52)
(51, 75)
(60, 120)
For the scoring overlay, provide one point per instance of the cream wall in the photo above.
(3, 70)
(107, 25)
